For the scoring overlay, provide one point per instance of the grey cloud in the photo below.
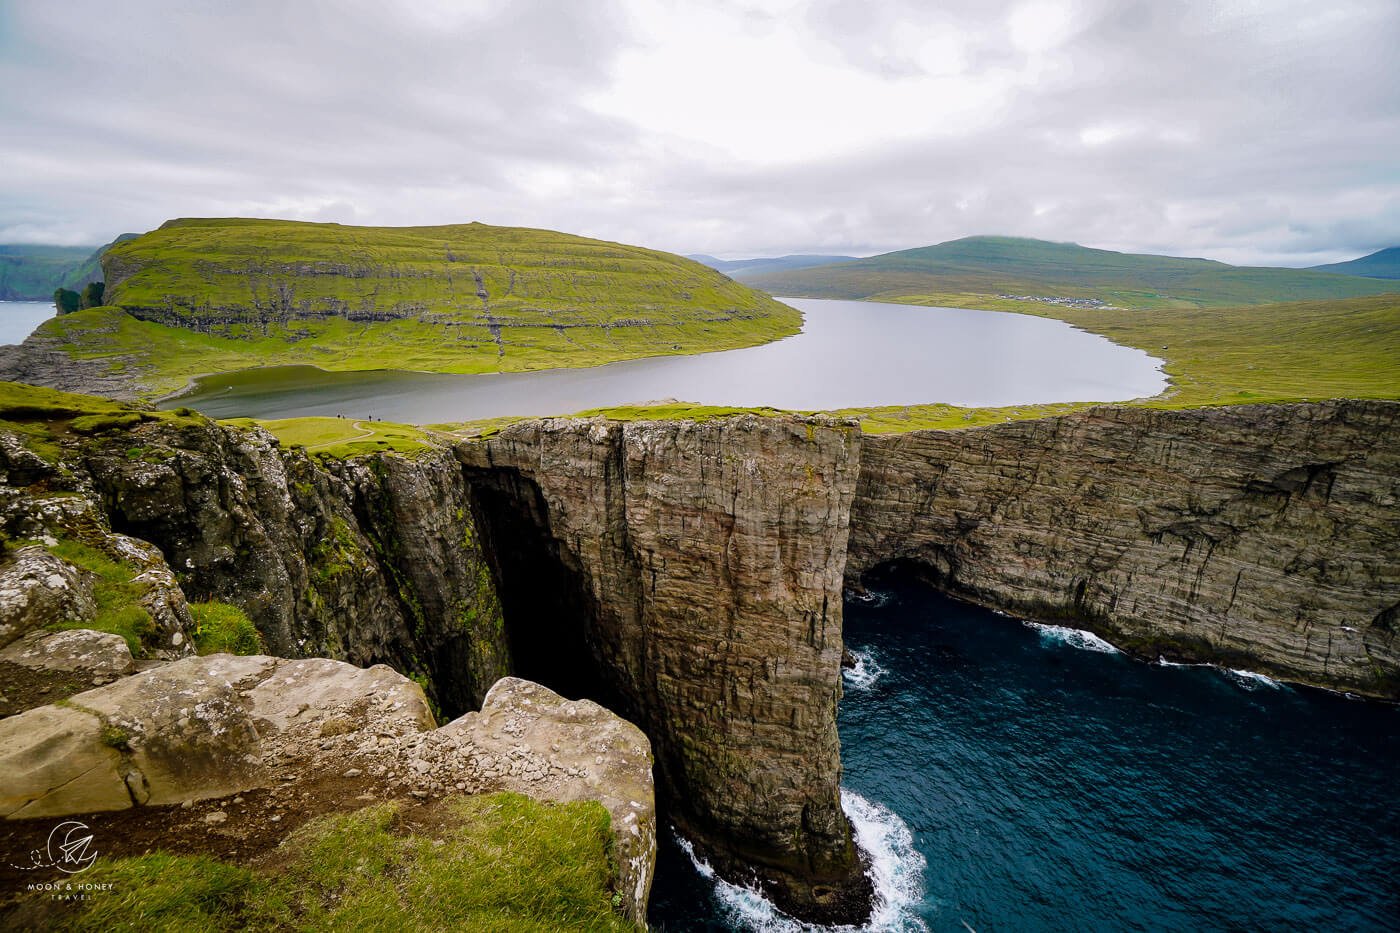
(1264, 133)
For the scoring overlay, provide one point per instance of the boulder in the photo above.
(39, 589)
(192, 729)
(55, 762)
(531, 740)
(81, 651)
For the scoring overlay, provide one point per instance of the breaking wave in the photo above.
(896, 870)
(866, 672)
(1073, 637)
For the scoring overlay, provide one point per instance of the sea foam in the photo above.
(896, 871)
(1073, 637)
(866, 672)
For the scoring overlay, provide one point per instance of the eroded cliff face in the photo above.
(1265, 536)
(369, 561)
(689, 575)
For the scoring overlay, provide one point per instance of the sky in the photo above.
(1259, 131)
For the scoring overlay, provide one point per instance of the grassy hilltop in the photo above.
(974, 271)
(200, 296)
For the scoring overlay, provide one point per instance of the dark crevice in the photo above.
(548, 612)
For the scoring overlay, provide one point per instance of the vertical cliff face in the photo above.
(1261, 535)
(690, 574)
(373, 560)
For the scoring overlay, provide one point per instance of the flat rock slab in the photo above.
(100, 654)
(188, 730)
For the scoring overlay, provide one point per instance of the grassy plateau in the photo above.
(204, 296)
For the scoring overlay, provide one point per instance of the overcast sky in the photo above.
(1265, 131)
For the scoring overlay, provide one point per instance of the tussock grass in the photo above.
(116, 593)
(501, 862)
(219, 627)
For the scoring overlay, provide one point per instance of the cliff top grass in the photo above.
(345, 437)
(498, 862)
(204, 296)
(43, 416)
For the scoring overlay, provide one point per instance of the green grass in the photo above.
(116, 593)
(205, 296)
(42, 417)
(499, 862)
(345, 437)
(221, 628)
(972, 271)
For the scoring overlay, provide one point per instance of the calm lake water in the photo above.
(850, 353)
(1008, 777)
(19, 318)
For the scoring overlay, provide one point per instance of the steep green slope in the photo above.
(201, 296)
(1004, 272)
(1382, 264)
(31, 273)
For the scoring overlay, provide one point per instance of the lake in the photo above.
(849, 354)
(19, 318)
(1008, 776)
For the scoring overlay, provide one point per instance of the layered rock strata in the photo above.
(1262, 536)
(369, 561)
(696, 569)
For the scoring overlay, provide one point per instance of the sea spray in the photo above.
(1072, 637)
(896, 872)
(864, 674)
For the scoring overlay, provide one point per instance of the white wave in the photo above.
(1249, 680)
(865, 673)
(875, 598)
(1073, 637)
(896, 871)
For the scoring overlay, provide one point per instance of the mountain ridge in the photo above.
(1382, 264)
(971, 271)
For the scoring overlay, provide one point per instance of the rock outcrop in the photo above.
(370, 561)
(75, 651)
(188, 730)
(217, 726)
(1262, 536)
(689, 575)
(39, 589)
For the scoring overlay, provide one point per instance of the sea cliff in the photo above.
(688, 575)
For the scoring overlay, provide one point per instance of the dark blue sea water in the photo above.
(1022, 778)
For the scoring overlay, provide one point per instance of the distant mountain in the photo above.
(1382, 264)
(32, 272)
(978, 269)
(745, 269)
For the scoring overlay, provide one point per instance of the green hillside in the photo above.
(31, 273)
(1382, 264)
(983, 271)
(200, 296)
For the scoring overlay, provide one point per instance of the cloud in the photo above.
(1254, 132)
